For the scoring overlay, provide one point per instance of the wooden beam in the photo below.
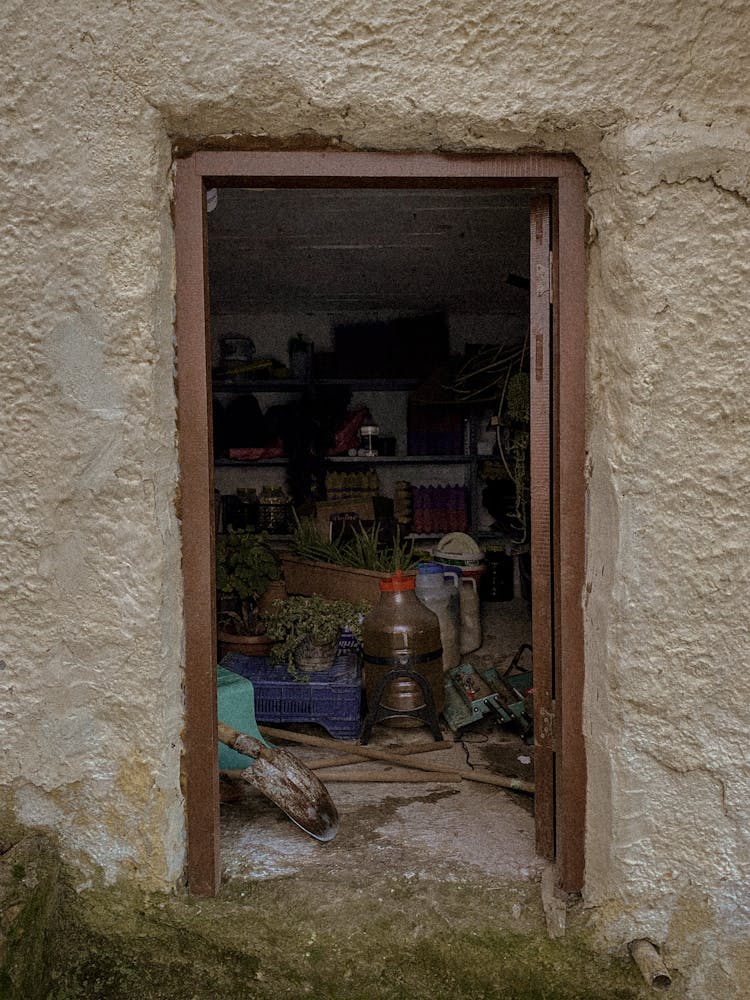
(200, 769)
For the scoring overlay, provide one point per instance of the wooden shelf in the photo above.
(357, 460)
(229, 386)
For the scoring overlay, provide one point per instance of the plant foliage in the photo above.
(245, 565)
(362, 550)
(297, 619)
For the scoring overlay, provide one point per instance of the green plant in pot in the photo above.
(305, 631)
(245, 566)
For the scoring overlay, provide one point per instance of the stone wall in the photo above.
(653, 100)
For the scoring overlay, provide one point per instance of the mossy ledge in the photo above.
(391, 939)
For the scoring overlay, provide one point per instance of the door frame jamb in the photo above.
(563, 178)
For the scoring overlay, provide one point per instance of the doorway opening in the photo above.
(406, 278)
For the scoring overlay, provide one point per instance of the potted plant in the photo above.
(245, 567)
(305, 631)
(344, 568)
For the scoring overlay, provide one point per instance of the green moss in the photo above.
(383, 938)
(29, 878)
(284, 938)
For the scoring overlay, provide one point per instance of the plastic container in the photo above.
(459, 549)
(331, 699)
(471, 619)
(401, 633)
(274, 510)
(437, 588)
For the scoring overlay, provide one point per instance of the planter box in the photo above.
(338, 583)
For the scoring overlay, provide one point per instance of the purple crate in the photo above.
(331, 698)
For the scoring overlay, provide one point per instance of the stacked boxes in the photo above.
(435, 431)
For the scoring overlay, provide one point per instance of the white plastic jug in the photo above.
(471, 621)
(437, 589)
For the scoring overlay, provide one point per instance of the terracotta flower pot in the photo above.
(248, 645)
(275, 591)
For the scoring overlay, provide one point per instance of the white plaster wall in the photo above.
(653, 99)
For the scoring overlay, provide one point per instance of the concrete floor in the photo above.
(429, 891)
(458, 832)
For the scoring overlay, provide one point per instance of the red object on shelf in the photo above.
(347, 435)
(256, 454)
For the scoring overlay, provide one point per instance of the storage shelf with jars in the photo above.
(428, 456)
(357, 460)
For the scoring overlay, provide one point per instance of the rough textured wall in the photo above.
(653, 99)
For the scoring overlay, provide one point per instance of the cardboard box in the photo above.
(366, 508)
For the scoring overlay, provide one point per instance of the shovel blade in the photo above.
(287, 782)
(297, 791)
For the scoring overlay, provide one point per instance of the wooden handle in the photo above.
(483, 777)
(383, 775)
(318, 763)
(243, 743)
(378, 774)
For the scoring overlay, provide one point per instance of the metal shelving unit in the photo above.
(470, 462)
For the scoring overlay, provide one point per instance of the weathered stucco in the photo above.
(653, 99)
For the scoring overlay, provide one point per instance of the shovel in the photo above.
(287, 782)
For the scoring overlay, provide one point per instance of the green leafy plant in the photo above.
(364, 549)
(296, 620)
(245, 565)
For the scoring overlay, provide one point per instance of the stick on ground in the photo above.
(483, 777)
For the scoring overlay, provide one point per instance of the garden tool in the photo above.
(287, 782)
(471, 695)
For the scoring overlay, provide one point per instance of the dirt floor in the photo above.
(442, 831)
(428, 891)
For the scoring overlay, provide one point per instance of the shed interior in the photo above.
(407, 310)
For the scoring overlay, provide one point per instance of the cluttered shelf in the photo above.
(223, 385)
(360, 460)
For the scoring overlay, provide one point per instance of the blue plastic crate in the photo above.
(331, 698)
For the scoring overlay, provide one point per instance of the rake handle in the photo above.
(319, 763)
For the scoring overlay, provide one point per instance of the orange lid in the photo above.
(398, 582)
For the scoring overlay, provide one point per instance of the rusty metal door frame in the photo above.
(560, 178)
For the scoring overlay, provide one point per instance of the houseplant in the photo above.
(305, 630)
(245, 567)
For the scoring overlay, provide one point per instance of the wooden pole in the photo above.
(319, 763)
(383, 775)
(499, 780)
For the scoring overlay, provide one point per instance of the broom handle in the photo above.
(500, 780)
(383, 775)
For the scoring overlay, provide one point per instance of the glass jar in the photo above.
(401, 633)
